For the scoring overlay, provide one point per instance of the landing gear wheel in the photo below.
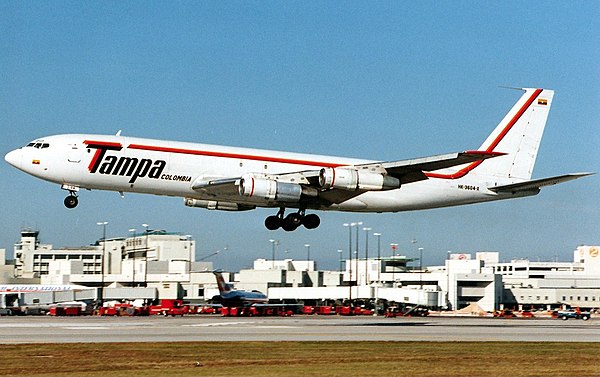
(292, 222)
(311, 221)
(273, 222)
(71, 201)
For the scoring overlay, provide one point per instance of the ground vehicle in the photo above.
(573, 313)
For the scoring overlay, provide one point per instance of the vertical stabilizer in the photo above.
(223, 287)
(518, 135)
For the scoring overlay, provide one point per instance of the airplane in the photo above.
(239, 179)
(236, 298)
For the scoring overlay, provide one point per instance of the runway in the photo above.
(298, 328)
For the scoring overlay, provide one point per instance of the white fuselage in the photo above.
(128, 164)
(238, 179)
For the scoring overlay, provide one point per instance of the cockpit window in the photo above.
(39, 144)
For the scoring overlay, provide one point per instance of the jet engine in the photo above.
(353, 179)
(215, 205)
(269, 189)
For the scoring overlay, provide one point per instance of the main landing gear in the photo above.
(292, 221)
(71, 201)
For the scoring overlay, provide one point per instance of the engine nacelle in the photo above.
(215, 205)
(353, 179)
(269, 189)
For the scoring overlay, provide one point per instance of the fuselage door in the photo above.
(74, 153)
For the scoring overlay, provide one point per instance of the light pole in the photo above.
(146, 256)
(307, 255)
(133, 240)
(273, 244)
(189, 239)
(448, 280)
(349, 264)
(378, 235)
(366, 255)
(394, 247)
(414, 242)
(103, 223)
(356, 252)
(209, 255)
(421, 267)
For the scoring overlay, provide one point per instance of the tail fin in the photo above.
(223, 287)
(518, 135)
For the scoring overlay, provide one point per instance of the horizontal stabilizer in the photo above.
(537, 184)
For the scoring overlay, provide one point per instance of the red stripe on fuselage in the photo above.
(100, 146)
(233, 155)
(461, 173)
(102, 143)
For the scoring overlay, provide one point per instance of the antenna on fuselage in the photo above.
(118, 133)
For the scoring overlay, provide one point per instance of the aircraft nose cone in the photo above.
(14, 158)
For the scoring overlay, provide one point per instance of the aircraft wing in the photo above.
(537, 184)
(414, 170)
(406, 171)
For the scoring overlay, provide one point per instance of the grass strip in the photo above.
(302, 359)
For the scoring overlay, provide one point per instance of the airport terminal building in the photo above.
(161, 265)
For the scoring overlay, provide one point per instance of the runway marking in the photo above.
(276, 327)
(217, 324)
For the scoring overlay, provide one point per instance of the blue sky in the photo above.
(382, 81)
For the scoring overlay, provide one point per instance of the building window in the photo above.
(200, 292)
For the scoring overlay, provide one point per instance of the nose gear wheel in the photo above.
(71, 201)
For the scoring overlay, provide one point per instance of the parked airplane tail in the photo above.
(223, 287)
(518, 135)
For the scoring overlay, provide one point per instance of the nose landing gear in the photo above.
(71, 201)
(292, 221)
